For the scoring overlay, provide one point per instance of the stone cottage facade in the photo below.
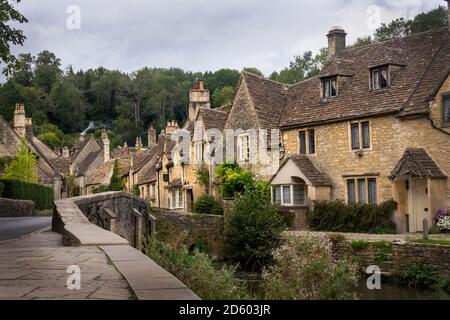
(374, 125)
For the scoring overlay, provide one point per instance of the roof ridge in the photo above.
(264, 78)
(435, 30)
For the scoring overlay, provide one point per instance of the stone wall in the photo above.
(113, 211)
(400, 257)
(16, 208)
(389, 138)
(201, 231)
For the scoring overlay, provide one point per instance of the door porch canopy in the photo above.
(416, 162)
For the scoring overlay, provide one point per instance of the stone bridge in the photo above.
(121, 213)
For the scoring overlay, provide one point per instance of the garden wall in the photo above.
(16, 208)
(393, 258)
(200, 231)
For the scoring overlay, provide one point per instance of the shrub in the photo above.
(136, 191)
(253, 230)
(340, 217)
(23, 166)
(207, 205)
(41, 195)
(196, 270)
(233, 181)
(305, 268)
(419, 275)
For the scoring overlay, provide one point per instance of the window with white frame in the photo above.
(360, 135)
(176, 198)
(362, 190)
(244, 147)
(289, 195)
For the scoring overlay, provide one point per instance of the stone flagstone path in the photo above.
(34, 267)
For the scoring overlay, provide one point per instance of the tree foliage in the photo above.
(303, 67)
(401, 27)
(9, 35)
(23, 166)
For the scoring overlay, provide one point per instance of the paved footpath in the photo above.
(34, 267)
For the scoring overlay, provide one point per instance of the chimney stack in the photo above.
(57, 151)
(29, 126)
(171, 127)
(336, 41)
(198, 97)
(81, 137)
(66, 153)
(106, 151)
(151, 136)
(20, 120)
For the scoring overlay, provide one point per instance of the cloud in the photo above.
(197, 35)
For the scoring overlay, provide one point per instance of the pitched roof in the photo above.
(213, 118)
(104, 172)
(416, 162)
(423, 61)
(268, 98)
(309, 169)
(59, 165)
(83, 166)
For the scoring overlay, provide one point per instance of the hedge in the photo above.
(340, 217)
(206, 204)
(41, 195)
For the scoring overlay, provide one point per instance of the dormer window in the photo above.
(379, 78)
(329, 87)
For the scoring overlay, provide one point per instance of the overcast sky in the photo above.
(199, 35)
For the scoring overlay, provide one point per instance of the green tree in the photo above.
(50, 139)
(223, 96)
(254, 71)
(302, 68)
(9, 35)
(23, 166)
(47, 70)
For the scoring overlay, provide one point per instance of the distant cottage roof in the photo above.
(417, 163)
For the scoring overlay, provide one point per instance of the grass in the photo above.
(441, 242)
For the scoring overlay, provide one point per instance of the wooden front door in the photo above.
(418, 204)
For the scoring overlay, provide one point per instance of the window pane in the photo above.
(180, 198)
(361, 190)
(174, 198)
(277, 195)
(326, 88)
(333, 87)
(383, 78)
(312, 142)
(376, 79)
(299, 195)
(286, 195)
(355, 135)
(372, 186)
(447, 109)
(302, 136)
(365, 135)
(351, 191)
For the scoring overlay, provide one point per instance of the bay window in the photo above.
(289, 195)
